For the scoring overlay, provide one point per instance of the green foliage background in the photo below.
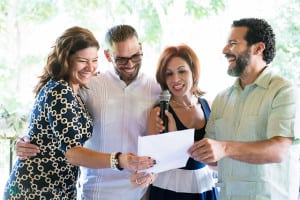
(16, 16)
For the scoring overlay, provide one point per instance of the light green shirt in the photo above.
(260, 111)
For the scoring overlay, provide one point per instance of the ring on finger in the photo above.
(137, 182)
(151, 181)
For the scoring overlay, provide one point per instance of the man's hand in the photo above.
(207, 150)
(24, 149)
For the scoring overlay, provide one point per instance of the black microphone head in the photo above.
(165, 96)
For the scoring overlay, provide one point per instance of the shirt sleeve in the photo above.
(297, 120)
(63, 117)
(210, 126)
(282, 116)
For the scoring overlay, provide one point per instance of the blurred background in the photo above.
(29, 28)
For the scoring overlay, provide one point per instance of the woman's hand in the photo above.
(159, 122)
(132, 162)
(141, 179)
(24, 149)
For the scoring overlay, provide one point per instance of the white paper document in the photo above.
(170, 150)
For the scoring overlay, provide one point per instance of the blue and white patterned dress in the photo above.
(57, 123)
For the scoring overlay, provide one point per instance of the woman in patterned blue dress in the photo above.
(60, 124)
(178, 71)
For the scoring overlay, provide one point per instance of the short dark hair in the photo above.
(259, 31)
(119, 33)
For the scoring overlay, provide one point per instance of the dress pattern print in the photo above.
(57, 123)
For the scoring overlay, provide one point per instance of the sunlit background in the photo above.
(29, 28)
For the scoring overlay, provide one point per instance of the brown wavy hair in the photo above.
(58, 62)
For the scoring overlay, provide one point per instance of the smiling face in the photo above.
(83, 65)
(127, 49)
(179, 77)
(237, 51)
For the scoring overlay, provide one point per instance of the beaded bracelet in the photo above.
(114, 161)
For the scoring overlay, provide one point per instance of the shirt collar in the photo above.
(262, 80)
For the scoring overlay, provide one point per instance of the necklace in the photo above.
(80, 101)
(188, 107)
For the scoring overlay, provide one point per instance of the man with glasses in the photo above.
(119, 101)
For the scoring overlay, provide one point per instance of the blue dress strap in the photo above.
(199, 134)
(205, 107)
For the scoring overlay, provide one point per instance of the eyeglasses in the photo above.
(124, 60)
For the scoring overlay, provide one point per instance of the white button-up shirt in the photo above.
(120, 114)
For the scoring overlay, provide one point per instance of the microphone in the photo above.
(164, 99)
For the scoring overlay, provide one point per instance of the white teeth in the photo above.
(129, 70)
(231, 59)
(177, 87)
(86, 75)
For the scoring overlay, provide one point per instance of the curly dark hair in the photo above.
(259, 31)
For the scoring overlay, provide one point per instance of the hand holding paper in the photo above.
(170, 150)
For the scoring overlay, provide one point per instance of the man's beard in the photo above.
(242, 61)
(129, 79)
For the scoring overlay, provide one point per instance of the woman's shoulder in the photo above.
(58, 85)
(56, 88)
